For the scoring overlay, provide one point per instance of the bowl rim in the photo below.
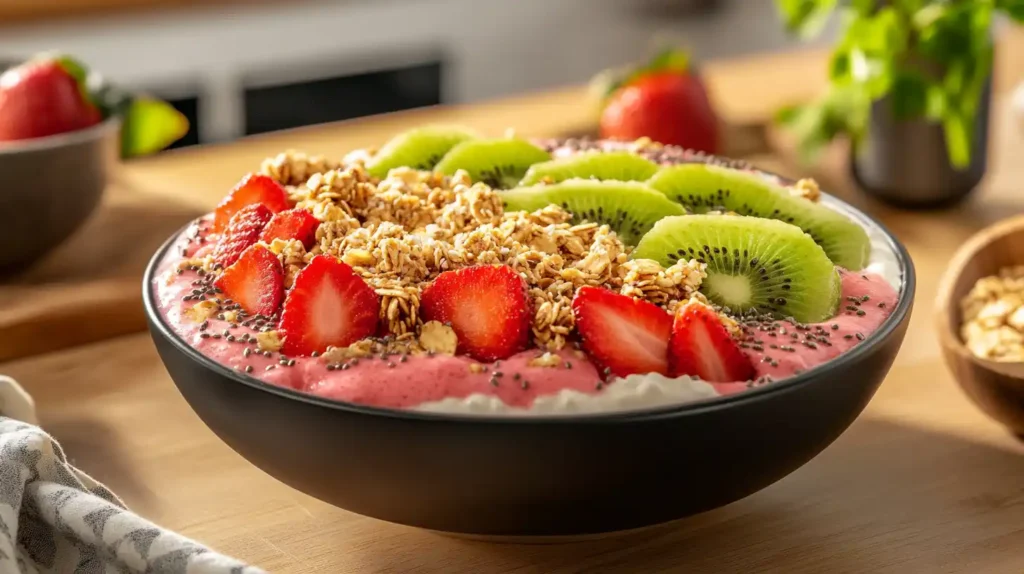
(97, 131)
(947, 307)
(760, 393)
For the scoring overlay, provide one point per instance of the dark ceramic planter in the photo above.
(534, 476)
(905, 162)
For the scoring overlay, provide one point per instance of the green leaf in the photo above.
(1013, 8)
(604, 84)
(864, 7)
(805, 18)
(73, 67)
(669, 60)
(958, 140)
(839, 67)
(150, 125)
(936, 103)
(909, 95)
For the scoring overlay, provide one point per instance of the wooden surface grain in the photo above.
(922, 482)
(14, 12)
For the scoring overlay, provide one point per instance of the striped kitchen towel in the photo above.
(55, 518)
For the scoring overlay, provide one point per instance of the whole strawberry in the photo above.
(40, 98)
(665, 101)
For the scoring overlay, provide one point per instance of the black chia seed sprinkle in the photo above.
(331, 367)
(516, 376)
(204, 335)
(860, 336)
(861, 313)
(270, 367)
(881, 305)
(568, 365)
(391, 365)
(346, 366)
(216, 335)
(523, 385)
(847, 336)
(599, 385)
(248, 368)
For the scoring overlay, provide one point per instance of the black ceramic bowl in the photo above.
(50, 186)
(535, 476)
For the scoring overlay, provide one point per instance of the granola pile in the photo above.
(992, 316)
(399, 233)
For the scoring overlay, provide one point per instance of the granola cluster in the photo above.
(992, 316)
(399, 233)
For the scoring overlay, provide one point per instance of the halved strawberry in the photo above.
(254, 188)
(292, 224)
(329, 305)
(620, 333)
(702, 347)
(255, 281)
(486, 306)
(243, 230)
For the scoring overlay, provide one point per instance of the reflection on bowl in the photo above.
(540, 475)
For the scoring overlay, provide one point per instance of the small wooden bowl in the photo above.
(996, 387)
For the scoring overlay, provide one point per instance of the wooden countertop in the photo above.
(922, 482)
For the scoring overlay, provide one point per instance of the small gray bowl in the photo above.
(48, 188)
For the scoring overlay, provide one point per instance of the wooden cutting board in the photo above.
(90, 287)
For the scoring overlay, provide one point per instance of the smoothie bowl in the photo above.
(512, 338)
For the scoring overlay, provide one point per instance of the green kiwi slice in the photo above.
(616, 165)
(499, 163)
(630, 208)
(753, 264)
(419, 148)
(701, 188)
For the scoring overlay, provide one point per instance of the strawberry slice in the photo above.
(702, 347)
(329, 306)
(486, 306)
(243, 230)
(253, 188)
(292, 224)
(620, 333)
(255, 281)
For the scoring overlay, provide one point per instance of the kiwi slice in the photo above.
(630, 208)
(499, 163)
(701, 187)
(753, 264)
(616, 165)
(419, 148)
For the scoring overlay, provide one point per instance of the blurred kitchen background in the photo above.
(240, 67)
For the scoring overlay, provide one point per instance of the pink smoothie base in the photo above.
(395, 382)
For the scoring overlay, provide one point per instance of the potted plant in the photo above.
(910, 84)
